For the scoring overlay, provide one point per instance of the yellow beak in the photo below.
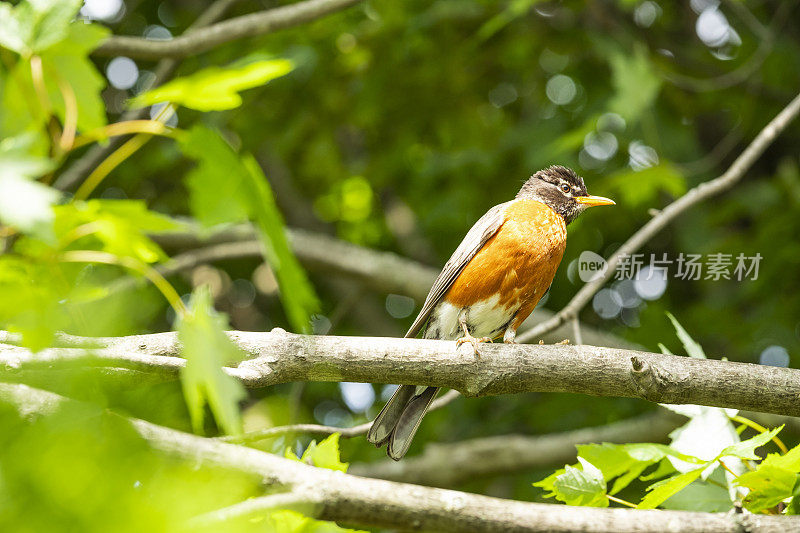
(592, 201)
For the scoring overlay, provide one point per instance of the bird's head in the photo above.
(561, 189)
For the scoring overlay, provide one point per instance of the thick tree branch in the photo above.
(281, 357)
(452, 464)
(332, 495)
(696, 195)
(260, 23)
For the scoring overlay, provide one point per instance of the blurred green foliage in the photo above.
(394, 126)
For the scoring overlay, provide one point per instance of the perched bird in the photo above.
(490, 284)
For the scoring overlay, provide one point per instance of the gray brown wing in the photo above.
(477, 236)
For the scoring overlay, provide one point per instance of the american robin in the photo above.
(490, 285)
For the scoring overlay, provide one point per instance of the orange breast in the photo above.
(518, 262)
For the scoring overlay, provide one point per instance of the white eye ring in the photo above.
(565, 188)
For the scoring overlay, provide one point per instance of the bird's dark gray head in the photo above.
(561, 189)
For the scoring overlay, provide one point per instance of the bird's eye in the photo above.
(565, 188)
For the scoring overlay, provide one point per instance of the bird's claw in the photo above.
(472, 340)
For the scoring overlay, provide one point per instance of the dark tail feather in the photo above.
(400, 418)
(384, 423)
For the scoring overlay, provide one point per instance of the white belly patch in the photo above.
(484, 319)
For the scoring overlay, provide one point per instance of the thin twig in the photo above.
(128, 127)
(671, 212)
(304, 502)
(70, 114)
(118, 156)
(251, 25)
(726, 467)
(621, 501)
(576, 330)
(316, 429)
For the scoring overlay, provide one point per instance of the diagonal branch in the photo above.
(696, 195)
(281, 357)
(333, 495)
(251, 25)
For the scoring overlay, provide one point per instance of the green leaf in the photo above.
(120, 227)
(297, 293)
(636, 84)
(664, 349)
(69, 61)
(626, 462)
(641, 188)
(585, 487)
(769, 485)
(663, 469)
(548, 482)
(22, 113)
(215, 88)
(15, 26)
(35, 25)
(794, 504)
(225, 188)
(31, 301)
(294, 522)
(206, 347)
(692, 347)
(700, 496)
(773, 480)
(324, 455)
(747, 448)
(613, 460)
(54, 17)
(25, 203)
(790, 460)
(216, 185)
(662, 490)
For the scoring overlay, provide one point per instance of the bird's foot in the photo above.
(472, 340)
(509, 341)
(565, 341)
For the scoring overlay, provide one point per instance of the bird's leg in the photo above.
(468, 337)
(510, 335)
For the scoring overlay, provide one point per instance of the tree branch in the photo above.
(281, 357)
(452, 464)
(371, 502)
(251, 25)
(693, 197)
